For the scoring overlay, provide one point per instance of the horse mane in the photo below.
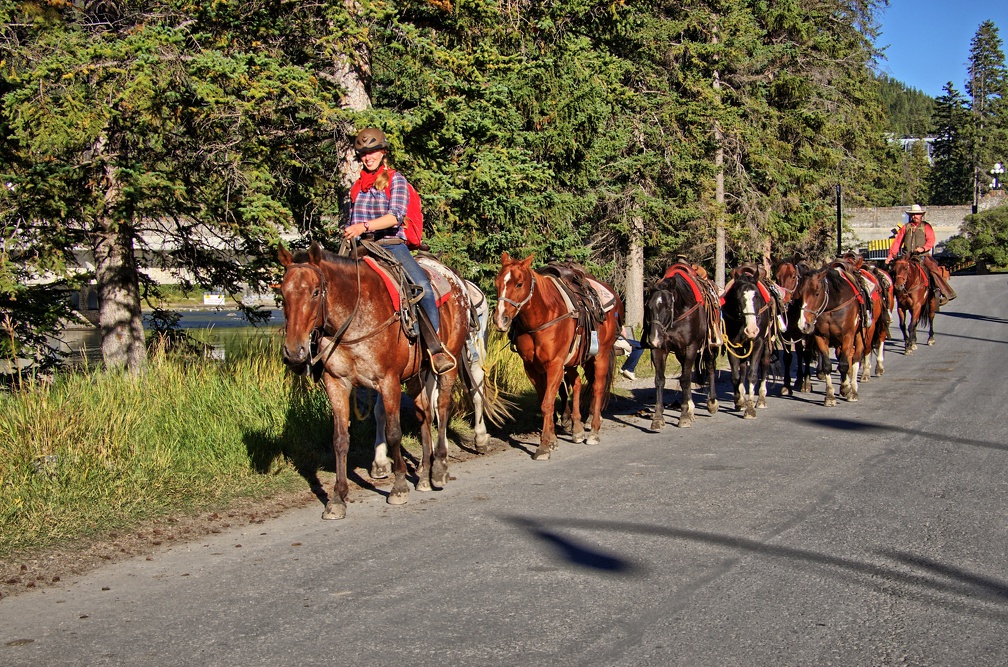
(301, 257)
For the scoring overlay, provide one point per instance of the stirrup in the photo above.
(447, 364)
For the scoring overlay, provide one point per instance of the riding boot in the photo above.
(441, 359)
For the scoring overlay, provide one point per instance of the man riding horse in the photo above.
(915, 240)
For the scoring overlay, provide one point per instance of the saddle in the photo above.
(705, 292)
(585, 296)
(850, 269)
(404, 293)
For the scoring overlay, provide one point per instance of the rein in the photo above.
(323, 313)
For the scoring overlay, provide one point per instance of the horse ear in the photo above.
(284, 254)
(505, 258)
(315, 253)
(528, 260)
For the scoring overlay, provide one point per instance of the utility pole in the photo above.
(839, 220)
(719, 243)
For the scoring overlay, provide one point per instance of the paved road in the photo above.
(873, 533)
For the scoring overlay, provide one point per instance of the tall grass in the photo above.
(97, 451)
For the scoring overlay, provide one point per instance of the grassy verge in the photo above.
(96, 452)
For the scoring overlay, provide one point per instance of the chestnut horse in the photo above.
(676, 319)
(553, 344)
(825, 308)
(914, 300)
(748, 314)
(341, 324)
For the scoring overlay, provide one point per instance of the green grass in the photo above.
(94, 452)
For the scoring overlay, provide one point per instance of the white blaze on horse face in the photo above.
(653, 338)
(751, 328)
(806, 323)
(499, 316)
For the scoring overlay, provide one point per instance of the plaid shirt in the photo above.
(373, 204)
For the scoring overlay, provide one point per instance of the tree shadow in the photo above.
(967, 589)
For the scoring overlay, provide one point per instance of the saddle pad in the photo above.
(868, 275)
(857, 292)
(390, 284)
(436, 279)
(678, 270)
(606, 297)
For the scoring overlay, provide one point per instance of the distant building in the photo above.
(907, 144)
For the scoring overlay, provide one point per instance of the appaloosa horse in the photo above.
(825, 308)
(343, 325)
(747, 311)
(480, 392)
(915, 301)
(549, 331)
(679, 318)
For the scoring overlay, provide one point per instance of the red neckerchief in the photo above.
(367, 179)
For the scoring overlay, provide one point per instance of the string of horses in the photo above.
(348, 324)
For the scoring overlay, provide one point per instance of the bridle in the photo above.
(819, 310)
(519, 305)
(665, 328)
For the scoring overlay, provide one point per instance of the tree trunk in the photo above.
(635, 276)
(353, 74)
(119, 316)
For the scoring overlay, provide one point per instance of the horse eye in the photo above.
(315, 293)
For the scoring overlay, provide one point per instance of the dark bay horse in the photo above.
(915, 301)
(882, 305)
(787, 275)
(552, 343)
(748, 314)
(677, 319)
(825, 308)
(341, 325)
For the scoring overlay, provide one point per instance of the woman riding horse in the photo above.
(343, 325)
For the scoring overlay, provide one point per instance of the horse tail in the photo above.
(497, 408)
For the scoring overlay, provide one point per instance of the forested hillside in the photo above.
(909, 110)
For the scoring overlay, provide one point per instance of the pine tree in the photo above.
(987, 87)
(951, 178)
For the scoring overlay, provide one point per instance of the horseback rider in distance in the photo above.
(916, 239)
(374, 213)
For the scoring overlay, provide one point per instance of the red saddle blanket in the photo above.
(438, 282)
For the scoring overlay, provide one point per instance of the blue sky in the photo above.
(928, 41)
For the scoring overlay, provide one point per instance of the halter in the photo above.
(519, 306)
(322, 316)
(821, 309)
(666, 327)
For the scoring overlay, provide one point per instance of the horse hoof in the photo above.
(931, 341)
(786, 391)
(398, 497)
(481, 443)
(657, 425)
(879, 370)
(592, 439)
(712, 407)
(381, 472)
(761, 403)
(685, 422)
(541, 455)
(750, 413)
(439, 477)
(830, 402)
(334, 509)
(578, 438)
(423, 484)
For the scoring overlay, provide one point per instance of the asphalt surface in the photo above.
(872, 533)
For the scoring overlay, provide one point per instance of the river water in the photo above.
(218, 327)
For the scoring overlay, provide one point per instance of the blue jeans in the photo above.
(418, 277)
(635, 354)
